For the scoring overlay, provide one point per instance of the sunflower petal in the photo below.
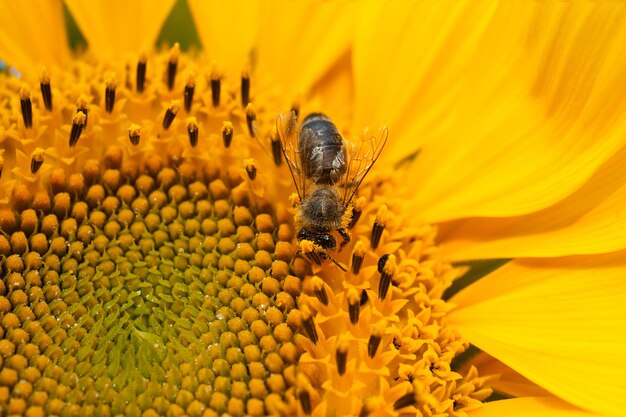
(589, 221)
(32, 34)
(560, 323)
(114, 27)
(531, 407)
(227, 31)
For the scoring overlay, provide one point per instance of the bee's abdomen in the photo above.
(322, 152)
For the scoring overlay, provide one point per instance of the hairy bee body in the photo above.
(322, 151)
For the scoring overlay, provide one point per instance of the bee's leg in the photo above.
(346, 237)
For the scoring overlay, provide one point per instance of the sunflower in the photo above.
(148, 255)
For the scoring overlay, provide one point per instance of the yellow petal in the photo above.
(589, 221)
(227, 30)
(561, 323)
(517, 105)
(301, 40)
(32, 34)
(114, 27)
(531, 407)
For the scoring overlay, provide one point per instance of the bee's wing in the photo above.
(361, 158)
(286, 126)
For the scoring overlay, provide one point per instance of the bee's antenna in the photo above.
(340, 266)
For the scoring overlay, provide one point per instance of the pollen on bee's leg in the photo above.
(358, 254)
(227, 133)
(46, 90)
(379, 225)
(250, 167)
(374, 341)
(172, 65)
(277, 152)
(134, 133)
(341, 355)
(78, 123)
(308, 325)
(27, 107)
(109, 93)
(251, 120)
(245, 87)
(170, 113)
(36, 160)
(387, 267)
(140, 79)
(190, 88)
(319, 289)
(216, 87)
(81, 106)
(357, 210)
(192, 130)
(354, 304)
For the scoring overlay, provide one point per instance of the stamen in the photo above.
(308, 324)
(141, 71)
(216, 86)
(27, 107)
(46, 91)
(374, 341)
(379, 225)
(405, 401)
(303, 394)
(245, 87)
(277, 152)
(172, 65)
(227, 133)
(134, 133)
(190, 87)
(251, 119)
(192, 130)
(357, 210)
(250, 166)
(341, 355)
(354, 304)
(364, 298)
(170, 113)
(78, 123)
(371, 404)
(81, 106)
(319, 289)
(386, 267)
(109, 93)
(36, 160)
(358, 254)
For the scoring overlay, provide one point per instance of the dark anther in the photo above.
(341, 356)
(78, 123)
(216, 86)
(305, 401)
(381, 262)
(134, 135)
(396, 343)
(377, 232)
(383, 286)
(81, 106)
(27, 108)
(189, 90)
(170, 114)
(141, 73)
(251, 171)
(357, 262)
(36, 162)
(365, 411)
(172, 65)
(405, 401)
(250, 120)
(372, 345)
(245, 89)
(321, 295)
(356, 214)
(354, 310)
(309, 328)
(192, 130)
(364, 298)
(277, 151)
(46, 90)
(109, 97)
(227, 134)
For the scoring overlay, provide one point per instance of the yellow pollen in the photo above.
(44, 78)
(79, 118)
(24, 94)
(191, 123)
(111, 81)
(174, 53)
(191, 79)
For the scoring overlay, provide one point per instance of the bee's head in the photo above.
(322, 238)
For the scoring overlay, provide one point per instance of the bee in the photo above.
(327, 172)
